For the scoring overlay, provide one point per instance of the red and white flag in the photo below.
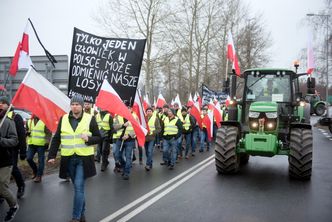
(190, 101)
(310, 55)
(199, 99)
(42, 98)
(146, 102)
(208, 122)
(231, 55)
(109, 100)
(139, 110)
(21, 58)
(196, 113)
(160, 101)
(177, 100)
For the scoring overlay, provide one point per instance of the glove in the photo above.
(23, 156)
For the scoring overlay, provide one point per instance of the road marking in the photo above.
(162, 194)
(152, 192)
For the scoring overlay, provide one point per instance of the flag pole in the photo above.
(4, 117)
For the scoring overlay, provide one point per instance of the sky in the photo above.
(55, 20)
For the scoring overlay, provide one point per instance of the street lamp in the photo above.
(327, 57)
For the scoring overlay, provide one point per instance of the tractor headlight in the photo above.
(270, 125)
(254, 114)
(302, 103)
(253, 124)
(271, 115)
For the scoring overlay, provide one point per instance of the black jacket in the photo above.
(8, 140)
(20, 130)
(88, 161)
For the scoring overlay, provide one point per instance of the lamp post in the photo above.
(327, 57)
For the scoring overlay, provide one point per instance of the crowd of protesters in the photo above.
(172, 130)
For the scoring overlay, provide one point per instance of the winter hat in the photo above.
(184, 109)
(77, 99)
(166, 106)
(5, 100)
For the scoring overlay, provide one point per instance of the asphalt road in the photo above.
(261, 191)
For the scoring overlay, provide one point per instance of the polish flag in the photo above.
(154, 101)
(160, 101)
(177, 100)
(42, 98)
(231, 55)
(208, 122)
(310, 55)
(190, 101)
(227, 101)
(139, 110)
(109, 100)
(199, 99)
(146, 102)
(196, 113)
(21, 58)
(217, 113)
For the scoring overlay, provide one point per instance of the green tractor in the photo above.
(270, 119)
(318, 106)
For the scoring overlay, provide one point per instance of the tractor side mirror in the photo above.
(311, 83)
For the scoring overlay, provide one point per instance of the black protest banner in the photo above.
(209, 94)
(95, 58)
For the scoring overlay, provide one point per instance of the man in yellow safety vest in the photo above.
(38, 140)
(77, 132)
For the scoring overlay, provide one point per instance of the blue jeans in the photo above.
(149, 152)
(170, 151)
(194, 138)
(116, 151)
(188, 143)
(127, 150)
(179, 146)
(76, 173)
(32, 150)
(204, 137)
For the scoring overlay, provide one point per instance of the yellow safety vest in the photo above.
(10, 115)
(170, 127)
(179, 115)
(103, 123)
(119, 131)
(71, 142)
(37, 133)
(129, 129)
(186, 124)
(151, 124)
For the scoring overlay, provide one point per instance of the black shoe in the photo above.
(125, 177)
(97, 159)
(11, 213)
(201, 151)
(20, 192)
(147, 168)
(103, 166)
(171, 167)
(193, 154)
(164, 163)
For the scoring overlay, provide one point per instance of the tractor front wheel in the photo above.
(300, 155)
(227, 160)
(320, 109)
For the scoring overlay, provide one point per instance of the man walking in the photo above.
(76, 132)
(38, 140)
(105, 124)
(20, 148)
(8, 141)
(172, 130)
(154, 129)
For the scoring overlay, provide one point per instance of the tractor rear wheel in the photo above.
(300, 155)
(320, 109)
(226, 158)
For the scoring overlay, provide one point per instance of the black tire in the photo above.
(300, 155)
(320, 109)
(227, 161)
(330, 127)
(244, 158)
